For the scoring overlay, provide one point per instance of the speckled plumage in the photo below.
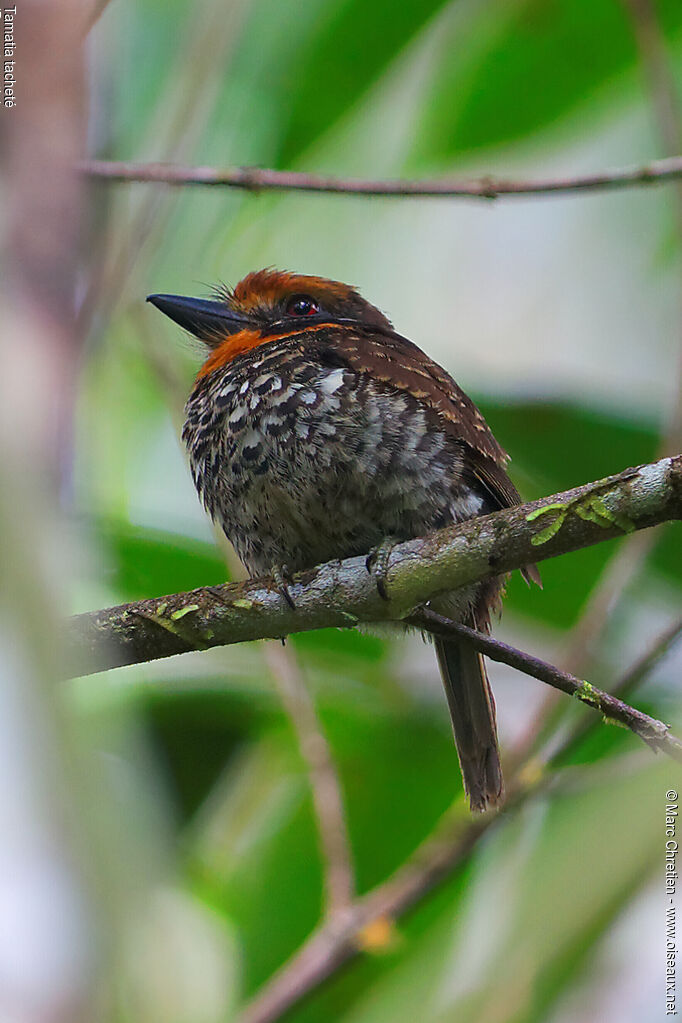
(302, 460)
(317, 437)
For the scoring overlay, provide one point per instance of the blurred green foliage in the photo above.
(518, 928)
(550, 57)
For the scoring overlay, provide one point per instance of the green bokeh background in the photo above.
(559, 316)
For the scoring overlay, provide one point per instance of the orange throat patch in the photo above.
(246, 340)
(230, 348)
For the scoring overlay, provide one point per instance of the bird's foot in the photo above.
(280, 574)
(377, 564)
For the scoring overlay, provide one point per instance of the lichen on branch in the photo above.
(342, 593)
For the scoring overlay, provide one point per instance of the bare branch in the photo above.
(340, 939)
(341, 594)
(654, 733)
(559, 746)
(255, 179)
(453, 839)
(324, 780)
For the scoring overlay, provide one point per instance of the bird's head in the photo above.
(265, 306)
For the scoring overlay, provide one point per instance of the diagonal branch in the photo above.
(559, 746)
(338, 940)
(255, 179)
(342, 593)
(335, 942)
(325, 785)
(655, 734)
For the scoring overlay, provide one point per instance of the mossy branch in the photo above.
(342, 593)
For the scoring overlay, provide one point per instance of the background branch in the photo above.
(324, 780)
(450, 843)
(52, 927)
(254, 179)
(338, 940)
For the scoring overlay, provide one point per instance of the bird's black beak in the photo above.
(208, 320)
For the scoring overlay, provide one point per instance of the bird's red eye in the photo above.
(302, 305)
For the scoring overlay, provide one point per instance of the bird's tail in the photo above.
(472, 709)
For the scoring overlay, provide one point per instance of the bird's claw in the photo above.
(281, 578)
(376, 564)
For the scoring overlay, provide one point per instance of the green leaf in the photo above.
(151, 562)
(522, 68)
(322, 59)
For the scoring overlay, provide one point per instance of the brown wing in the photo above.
(396, 361)
(399, 363)
(393, 359)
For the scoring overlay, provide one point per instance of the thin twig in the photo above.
(340, 939)
(257, 179)
(655, 734)
(324, 780)
(453, 839)
(625, 685)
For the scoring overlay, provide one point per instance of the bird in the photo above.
(317, 432)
